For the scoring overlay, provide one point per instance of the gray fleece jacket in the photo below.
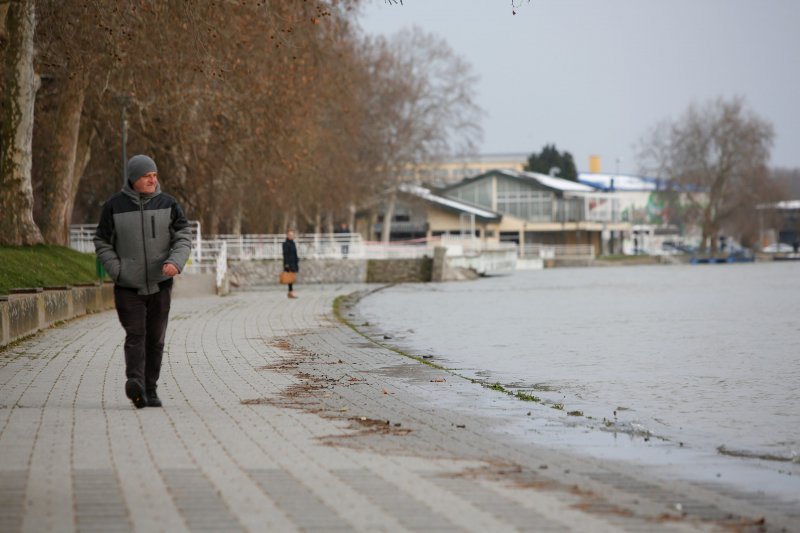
(137, 234)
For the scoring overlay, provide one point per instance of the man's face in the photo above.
(146, 184)
(290, 235)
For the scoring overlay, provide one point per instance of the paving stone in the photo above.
(274, 419)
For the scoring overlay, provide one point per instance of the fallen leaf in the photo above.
(438, 380)
(343, 409)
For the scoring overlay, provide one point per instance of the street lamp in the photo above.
(124, 101)
(616, 171)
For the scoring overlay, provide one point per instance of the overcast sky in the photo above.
(593, 76)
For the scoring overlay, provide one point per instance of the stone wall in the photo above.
(247, 274)
(399, 270)
(24, 312)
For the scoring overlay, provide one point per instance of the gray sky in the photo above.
(593, 76)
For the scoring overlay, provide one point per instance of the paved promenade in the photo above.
(278, 418)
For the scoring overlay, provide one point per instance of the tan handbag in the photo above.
(288, 278)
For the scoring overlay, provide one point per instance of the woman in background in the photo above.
(291, 263)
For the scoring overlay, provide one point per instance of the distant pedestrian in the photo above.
(291, 263)
(344, 238)
(143, 240)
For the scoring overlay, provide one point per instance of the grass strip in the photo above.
(44, 265)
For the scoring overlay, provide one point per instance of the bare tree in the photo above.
(73, 47)
(789, 179)
(424, 106)
(717, 156)
(16, 128)
(260, 114)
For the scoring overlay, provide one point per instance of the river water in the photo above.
(707, 356)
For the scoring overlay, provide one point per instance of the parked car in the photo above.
(780, 247)
(671, 247)
(740, 255)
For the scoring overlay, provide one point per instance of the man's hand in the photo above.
(169, 270)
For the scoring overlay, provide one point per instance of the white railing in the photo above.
(212, 255)
(222, 264)
(213, 259)
(81, 237)
(309, 246)
(470, 243)
(488, 261)
(456, 245)
(462, 251)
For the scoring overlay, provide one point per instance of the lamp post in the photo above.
(124, 143)
(124, 102)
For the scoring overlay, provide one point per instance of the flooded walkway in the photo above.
(277, 417)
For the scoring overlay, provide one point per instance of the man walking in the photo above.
(143, 240)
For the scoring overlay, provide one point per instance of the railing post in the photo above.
(199, 244)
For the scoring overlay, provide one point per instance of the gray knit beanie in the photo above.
(138, 166)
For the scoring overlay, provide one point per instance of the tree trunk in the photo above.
(317, 223)
(236, 223)
(3, 12)
(213, 222)
(386, 228)
(57, 161)
(83, 154)
(351, 218)
(16, 129)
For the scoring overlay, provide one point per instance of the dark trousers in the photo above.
(145, 321)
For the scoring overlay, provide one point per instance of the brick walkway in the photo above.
(278, 418)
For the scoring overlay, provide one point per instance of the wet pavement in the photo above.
(278, 417)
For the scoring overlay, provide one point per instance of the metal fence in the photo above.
(213, 258)
(81, 236)
(212, 254)
(309, 246)
(483, 257)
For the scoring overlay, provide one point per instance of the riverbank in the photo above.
(279, 417)
(698, 358)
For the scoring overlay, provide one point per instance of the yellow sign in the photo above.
(594, 164)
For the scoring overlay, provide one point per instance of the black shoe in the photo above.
(133, 390)
(152, 398)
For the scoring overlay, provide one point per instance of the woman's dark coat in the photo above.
(291, 263)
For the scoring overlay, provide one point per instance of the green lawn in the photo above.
(43, 266)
